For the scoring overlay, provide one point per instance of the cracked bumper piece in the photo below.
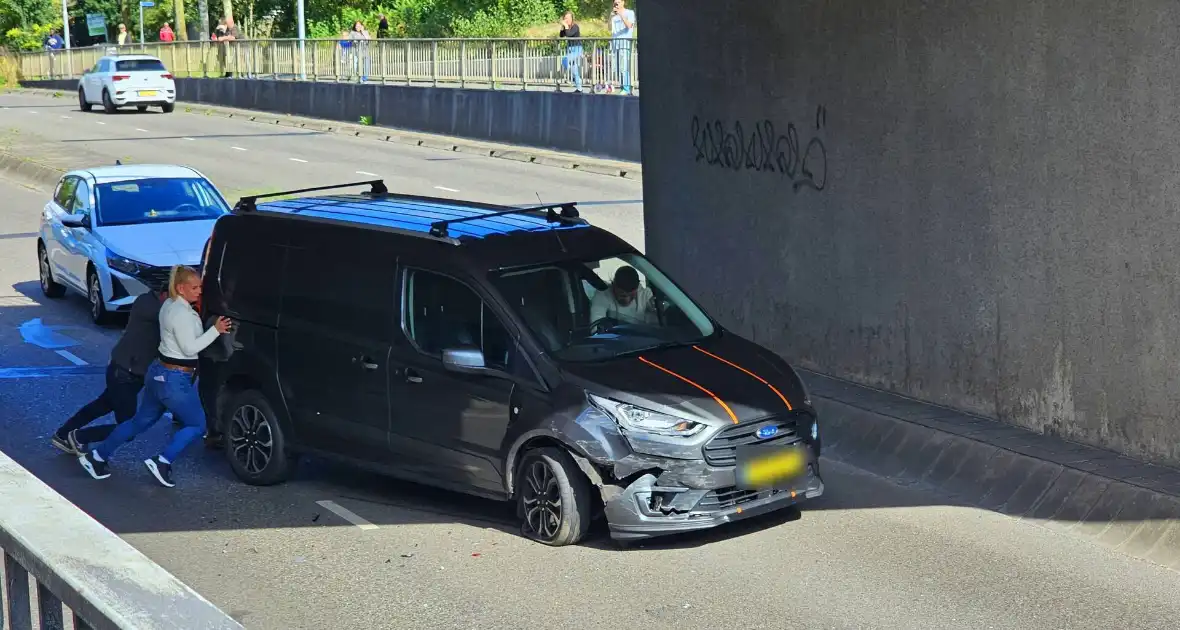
(645, 509)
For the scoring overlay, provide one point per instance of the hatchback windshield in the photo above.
(158, 200)
(602, 309)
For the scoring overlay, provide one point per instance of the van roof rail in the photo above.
(249, 202)
(569, 213)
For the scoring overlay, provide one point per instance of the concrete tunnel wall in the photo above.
(971, 204)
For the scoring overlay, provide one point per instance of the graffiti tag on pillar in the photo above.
(763, 147)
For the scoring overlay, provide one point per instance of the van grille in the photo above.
(725, 498)
(722, 449)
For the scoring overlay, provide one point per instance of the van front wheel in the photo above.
(553, 497)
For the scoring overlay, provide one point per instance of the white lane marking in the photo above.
(143, 130)
(446, 189)
(298, 160)
(71, 357)
(187, 138)
(331, 506)
(100, 122)
(237, 148)
(64, 116)
(32, 111)
(366, 173)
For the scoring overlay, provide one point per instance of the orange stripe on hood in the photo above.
(661, 368)
(759, 378)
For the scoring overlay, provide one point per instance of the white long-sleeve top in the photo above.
(181, 333)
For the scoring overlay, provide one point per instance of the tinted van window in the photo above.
(247, 263)
(443, 313)
(344, 279)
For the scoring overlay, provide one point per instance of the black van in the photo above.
(514, 353)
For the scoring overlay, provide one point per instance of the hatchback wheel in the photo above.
(255, 442)
(48, 286)
(168, 107)
(82, 103)
(98, 307)
(108, 105)
(553, 497)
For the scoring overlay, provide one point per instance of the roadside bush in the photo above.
(9, 70)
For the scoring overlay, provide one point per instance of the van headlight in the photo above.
(652, 432)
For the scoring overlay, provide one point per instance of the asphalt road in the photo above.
(870, 554)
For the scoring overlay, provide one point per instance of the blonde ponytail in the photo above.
(180, 274)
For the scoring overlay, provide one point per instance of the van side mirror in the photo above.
(75, 221)
(464, 360)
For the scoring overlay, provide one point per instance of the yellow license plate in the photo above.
(765, 468)
(147, 93)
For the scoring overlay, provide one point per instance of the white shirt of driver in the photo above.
(639, 311)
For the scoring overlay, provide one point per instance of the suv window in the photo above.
(443, 313)
(139, 65)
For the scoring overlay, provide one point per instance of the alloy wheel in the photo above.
(43, 264)
(542, 500)
(250, 439)
(95, 295)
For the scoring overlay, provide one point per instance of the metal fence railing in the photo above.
(58, 563)
(597, 65)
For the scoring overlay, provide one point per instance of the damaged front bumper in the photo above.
(658, 506)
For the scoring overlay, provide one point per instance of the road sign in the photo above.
(147, 3)
(96, 24)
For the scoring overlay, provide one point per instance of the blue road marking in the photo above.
(50, 372)
(38, 334)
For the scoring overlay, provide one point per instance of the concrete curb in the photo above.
(597, 166)
(29, 170)
(1060, 496)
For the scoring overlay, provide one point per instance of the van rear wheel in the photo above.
(553, 497)
(255, 442)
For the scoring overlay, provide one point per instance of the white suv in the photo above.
(118, 80)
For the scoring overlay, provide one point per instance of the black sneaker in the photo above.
(63, 445)
(161, 471)
(92, 465)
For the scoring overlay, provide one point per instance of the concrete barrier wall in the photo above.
(973, 205)
(600, 125)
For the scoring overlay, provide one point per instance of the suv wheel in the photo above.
(254, 441)
(108, 105)
(48, 286)
(82, 103)
(553, 497)
(168, 107)
(98, 307)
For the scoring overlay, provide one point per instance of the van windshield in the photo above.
(602, 309)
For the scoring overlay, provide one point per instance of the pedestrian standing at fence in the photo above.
(169, 382)
(622, 32)
(130, 359)
(167, 34)
(572, 61)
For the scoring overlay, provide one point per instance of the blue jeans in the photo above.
(623, 62)
(573, 61)
(163, 389)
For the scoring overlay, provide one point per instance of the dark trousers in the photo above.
(120, 396)
(208, 385)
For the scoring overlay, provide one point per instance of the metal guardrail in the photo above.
(605, 65)
(55, 554)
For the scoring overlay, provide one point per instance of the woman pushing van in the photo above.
(168, 384)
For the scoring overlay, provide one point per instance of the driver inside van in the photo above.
(625, 301)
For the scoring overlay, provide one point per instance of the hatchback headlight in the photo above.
(124, 264)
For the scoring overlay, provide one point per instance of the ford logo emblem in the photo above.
(767, 432)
